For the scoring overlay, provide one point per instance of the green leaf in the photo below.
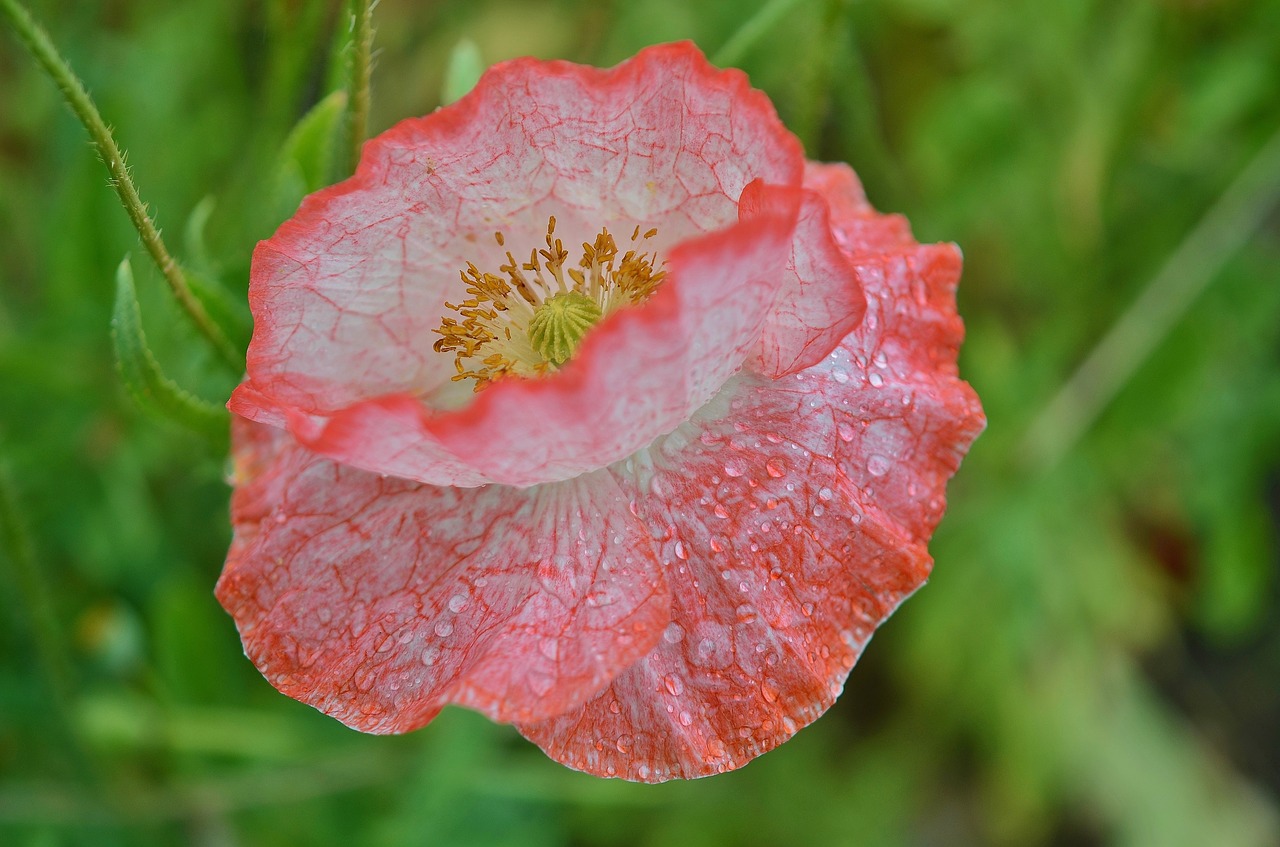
(154, 392)
(463, 71)
(309, 153)
(198, 257)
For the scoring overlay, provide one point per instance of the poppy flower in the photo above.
(647, 498)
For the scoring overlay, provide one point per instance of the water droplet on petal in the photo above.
(775, 468)
(673, 685)
(720, 511)
(878, 465)
(456, 602)
(681, 552)
(444, 629)
(674, 633)
(734, 468)
(846, 432)
(875, 379)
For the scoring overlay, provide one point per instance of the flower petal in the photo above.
(795, 514)
(641, 373)
(779, 573)
(346, 294)
(821, 299)
(378, 600)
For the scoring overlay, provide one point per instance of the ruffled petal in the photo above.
(346, 294)
(641, 373)
(779, 574)
(379, 600)
(820, 300)
(793, 515)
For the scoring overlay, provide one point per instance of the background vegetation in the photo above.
(1095, 660)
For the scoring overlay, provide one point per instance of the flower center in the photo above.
(530, 320)
(560, 323)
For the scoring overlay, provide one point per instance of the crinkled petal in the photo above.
(820, 300)
(794, 515)
(779, 574)
(378, 600)
(346, 294)
(640, 374)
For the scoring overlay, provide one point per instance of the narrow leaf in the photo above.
(154, 392)
(308, 157)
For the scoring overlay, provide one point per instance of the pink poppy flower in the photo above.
(647, 499)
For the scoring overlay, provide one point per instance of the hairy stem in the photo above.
(42, 49)
(361, 73)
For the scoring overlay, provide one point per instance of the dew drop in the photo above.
(818, 511)
(624, 743)
(720, 511)
(615, 707)
(716, 546)
(674, 633)
(457, 602)
(807, 609)
(846, 432)
(673, 685)
(746, 614)
(878, 465)
(734, 468)
(444, 629)
(768, 692)
(875, 379)
(681, 552)
(685, 718)
(840, 376)
(776, 468)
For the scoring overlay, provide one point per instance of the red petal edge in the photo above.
(379, 600)
(361, 420)
(794, 515)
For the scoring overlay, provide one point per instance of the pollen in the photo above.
(529, 319)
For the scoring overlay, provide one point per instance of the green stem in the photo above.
(1223, 230)
(361, 74)
(42, 49)
(752, 31)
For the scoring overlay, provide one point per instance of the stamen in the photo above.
(530, 320)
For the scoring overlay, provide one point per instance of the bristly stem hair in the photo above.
(42, 49)
(361, 74)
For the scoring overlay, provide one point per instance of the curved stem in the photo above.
(42, 49)
(361, 73)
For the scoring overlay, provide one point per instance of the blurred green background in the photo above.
(1096, 659)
